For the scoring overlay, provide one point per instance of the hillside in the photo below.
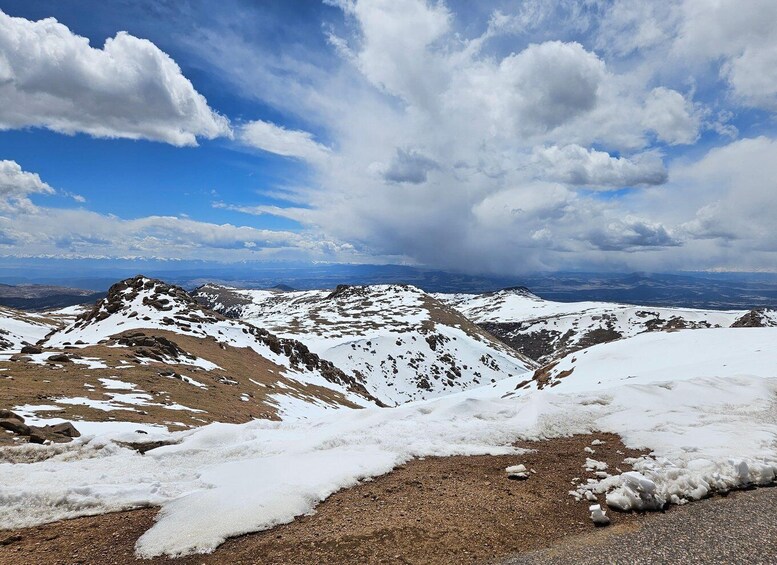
(697, 404)
(148, 357)
(401, 343)
(544, 330)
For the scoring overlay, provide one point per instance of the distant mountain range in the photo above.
(60, 283)
(39, 296)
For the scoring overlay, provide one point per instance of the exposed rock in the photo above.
(64, 429)
(15, 426)
(37, 436)
(60, 358)
(757, 318)
(7, 414)
(31, 349)
(153, 347)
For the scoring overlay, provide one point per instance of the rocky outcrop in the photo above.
(154, 347)
(757, 318)
(14, 423)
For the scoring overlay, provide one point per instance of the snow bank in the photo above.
(707, 433)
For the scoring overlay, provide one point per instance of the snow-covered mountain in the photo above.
(400, 342)
(757, 318)
(149, 353)
(544, 330)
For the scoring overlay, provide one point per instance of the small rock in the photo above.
(517, 472)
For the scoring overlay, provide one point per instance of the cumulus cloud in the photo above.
(671, 116)
(52, 78)
(16, 185)
(465, 145)
(631, 234)
(281, 141)
(576, 165)
(743, 36)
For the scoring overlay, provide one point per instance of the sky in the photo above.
(497, 137)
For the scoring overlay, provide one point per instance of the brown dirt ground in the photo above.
(28, 383)
(435, 510)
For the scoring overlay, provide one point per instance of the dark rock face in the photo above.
(753, 319)
(7, 414)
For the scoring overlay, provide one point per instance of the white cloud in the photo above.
(465, 145)
(27, 229)
(52, 78)
(281, 141)
(576, 165)
(16, 185)
(671, 117)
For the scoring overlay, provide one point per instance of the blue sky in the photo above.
(492, 137)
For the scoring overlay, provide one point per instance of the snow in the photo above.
(598, 515)
(115, 384)
(569, 326)
(387, 336)
(90, 362)
(19, 328)
(188, 380)
(706, 432)
(681, 355)
(517, 472)
(520, 306)
(132, 316)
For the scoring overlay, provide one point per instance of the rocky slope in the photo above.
(149, 356)
(397, 340)
(544, 330)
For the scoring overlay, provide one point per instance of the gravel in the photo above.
(739, 528)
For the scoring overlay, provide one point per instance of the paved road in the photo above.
(740, 528)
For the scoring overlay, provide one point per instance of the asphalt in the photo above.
(738, 528)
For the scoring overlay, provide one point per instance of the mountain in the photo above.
(544, 330)
(148, 355)
(401, 343)
(39, 296)
(757, 318)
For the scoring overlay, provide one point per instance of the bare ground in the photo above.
(243, 374)
(436, 510)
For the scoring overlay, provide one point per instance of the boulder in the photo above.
(59, 358)
(37, 436)
(15, 426)
(64, 429)
(31, 349)
(6, 414)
